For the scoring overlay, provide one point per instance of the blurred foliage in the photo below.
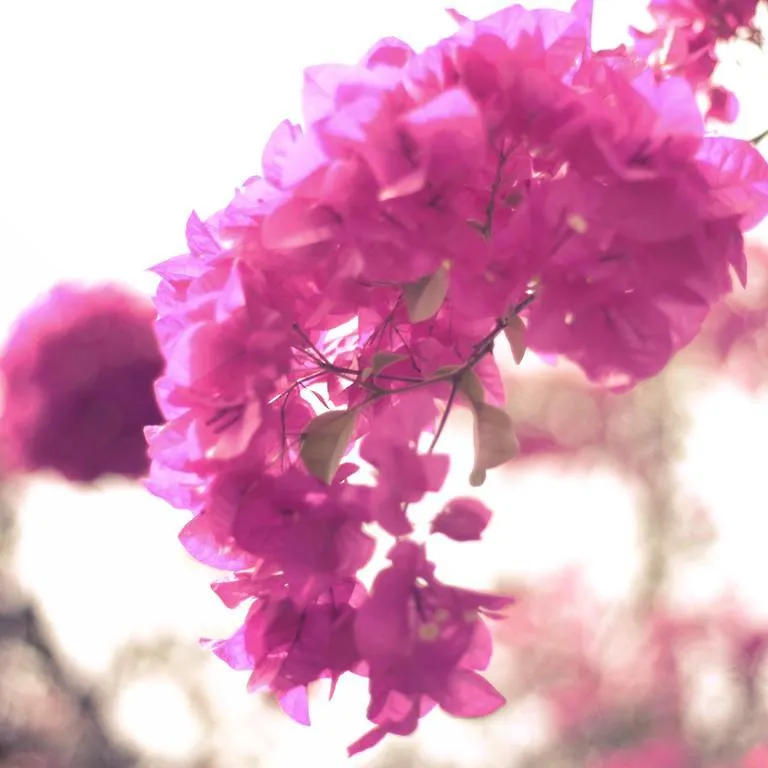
(48, 717)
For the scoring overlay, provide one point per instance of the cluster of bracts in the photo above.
(508, 183)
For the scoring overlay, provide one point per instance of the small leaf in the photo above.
(425, 297)
(324, 442)
(444, 371)
(489, 374)
(472, 387)
(382, 360)
(515, 333)
(495, 441)
(477, 477)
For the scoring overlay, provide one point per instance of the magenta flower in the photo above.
(78, 373)
(423, 641)
(287, 645)
(310, 533)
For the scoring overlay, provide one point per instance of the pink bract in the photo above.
(78, 372)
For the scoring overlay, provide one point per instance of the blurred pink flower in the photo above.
(654, 754)
(78, 370)
(614, 679)
(757, 758)
(685, 40)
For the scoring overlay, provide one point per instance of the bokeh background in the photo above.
(632, 527)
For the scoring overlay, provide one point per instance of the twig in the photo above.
(444, 418)
(760, 136)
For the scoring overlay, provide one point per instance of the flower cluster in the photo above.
(685, 40)
(77, 373)
(507, 181)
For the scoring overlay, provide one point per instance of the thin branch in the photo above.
(491, 207)
(309, 343)
(446, 413)
(757, 139)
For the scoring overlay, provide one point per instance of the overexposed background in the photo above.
(121, 118)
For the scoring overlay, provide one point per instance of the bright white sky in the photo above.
(119, 119)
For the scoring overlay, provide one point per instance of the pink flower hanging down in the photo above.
(77, 376)
(506, 182)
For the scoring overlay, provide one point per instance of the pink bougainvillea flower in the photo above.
(78, 371)
(310, 533)
(423, 641)
(506, 180)
(288, 645)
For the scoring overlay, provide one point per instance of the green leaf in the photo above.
(325, 441)
(380, 361)
(515, 333)
(445, 371)
(477, 477)
(425, 297)
(495, 441)
(471, 386)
